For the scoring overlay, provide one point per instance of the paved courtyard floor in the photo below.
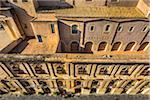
(103, 97)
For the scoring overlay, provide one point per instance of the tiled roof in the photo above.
(120, 12)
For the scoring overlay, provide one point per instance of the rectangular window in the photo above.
(39, 38)
(52, 28)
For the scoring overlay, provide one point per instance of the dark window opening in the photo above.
(119, 29)
(1, 27)
(78, 90)
(24, 0)
(92, 28)
(88, 0)
(88, 47)
(102, 46)
(116, 46)
(60, 70)
(52, 28)
(25, 83)
(82, 70)
(143, 46)
(129, 46)
(46, 90)
(146, 72)
(74, 47)
(39, 70)
(93, 90)
(14, 0)
(144, 29)
(74, 29)
(103, 71)
(94, 83)
(77, 83)
(60, 83)
(131, 29)
(17, 70)
(39, 38)
(107, 28)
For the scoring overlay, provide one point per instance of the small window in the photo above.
(1, 27)
(144, 29)
(39, 38)
(52, 28)
(74, 29)
(107, 28)
(24, 0)
(119, 29)
(92, 28)
(131, 29)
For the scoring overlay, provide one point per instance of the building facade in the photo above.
(87, 46)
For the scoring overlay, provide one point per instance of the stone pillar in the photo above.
(52, 74)
(72, 70)
(93, 70)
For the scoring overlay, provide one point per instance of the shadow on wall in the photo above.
(70, 40)
(52, 5)
(23, 17)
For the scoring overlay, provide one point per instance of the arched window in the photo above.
(116, 46)
(88, 47)
(74, 47)
(74, 29)
(129, 46)
(102, 46)
(143, 46)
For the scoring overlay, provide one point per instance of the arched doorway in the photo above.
(74, 47)
(129, 46)
(102, 46)
(143, 46)
(116, 46)
(88, 47)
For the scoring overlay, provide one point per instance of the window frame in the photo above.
(74, 33)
